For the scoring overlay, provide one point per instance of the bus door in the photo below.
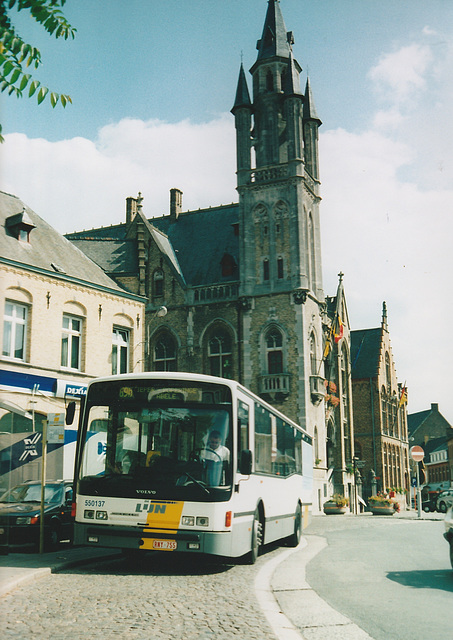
(243, 437)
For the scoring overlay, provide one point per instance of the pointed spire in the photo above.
(384, 323)
(309, 105)
(275, 40)
(292, 85)
(242, 92)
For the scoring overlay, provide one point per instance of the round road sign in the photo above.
(417, 453)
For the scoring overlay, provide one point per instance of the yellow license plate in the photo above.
(164, 545)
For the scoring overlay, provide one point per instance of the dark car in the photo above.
(20, 512)
(445, 500)
(429, 504)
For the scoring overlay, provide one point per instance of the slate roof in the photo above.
(365, 352)
(197, 240)
(47, 250)
(414, 420)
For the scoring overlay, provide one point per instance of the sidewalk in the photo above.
(20, 568)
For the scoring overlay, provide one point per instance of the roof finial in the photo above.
(384, 316)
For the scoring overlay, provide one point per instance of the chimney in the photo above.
(131, 209)
(435, 407)
(175, 203)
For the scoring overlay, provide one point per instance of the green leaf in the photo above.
(42, 94)
(7, 68)
(63, 100)
(34, 85)
(24, 81)
(16, 75)
(54, 99)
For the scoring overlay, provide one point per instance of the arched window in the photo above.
(280, 269)
(269, 81)
(158, 283)
(388, 376)
(312, 255)
(165, 353)
(220, 354)
(266, 270)
(274, 348)
(313, 360)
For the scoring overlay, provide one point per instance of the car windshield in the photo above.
(32, 493)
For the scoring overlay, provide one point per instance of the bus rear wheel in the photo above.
(257, 539)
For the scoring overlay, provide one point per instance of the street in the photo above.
(391, 576)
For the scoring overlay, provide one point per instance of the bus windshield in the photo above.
(166, 442)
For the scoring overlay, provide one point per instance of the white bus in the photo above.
(187, 462)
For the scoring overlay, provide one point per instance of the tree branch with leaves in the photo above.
(17, 56)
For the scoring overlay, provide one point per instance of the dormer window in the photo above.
(19, 226)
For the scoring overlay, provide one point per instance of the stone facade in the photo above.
(242, 284)
(380, 420)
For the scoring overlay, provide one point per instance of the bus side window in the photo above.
(243, 427)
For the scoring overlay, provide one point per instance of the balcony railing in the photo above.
(275, 383)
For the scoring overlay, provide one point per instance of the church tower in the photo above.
(281, 287)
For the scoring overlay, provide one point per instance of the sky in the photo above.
(152, 84)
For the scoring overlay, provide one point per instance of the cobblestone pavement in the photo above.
(161, 597)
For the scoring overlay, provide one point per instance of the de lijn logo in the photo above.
(30, 444)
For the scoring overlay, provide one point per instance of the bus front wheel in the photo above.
(294, 539)
(257, 539)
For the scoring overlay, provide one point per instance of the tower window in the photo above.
(158, 283)
(280, 270)
(165, 354)
(274, 346)
(266, 270)
(269, 81)
(220, 355)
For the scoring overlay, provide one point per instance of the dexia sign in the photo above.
(67, 389)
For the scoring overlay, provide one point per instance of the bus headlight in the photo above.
(102, 515)
(202, 521)
(88, 514)
(188, 521)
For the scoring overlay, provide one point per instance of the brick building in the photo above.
(64, 323)
(379, 405)
(430, 430)
(243, 283)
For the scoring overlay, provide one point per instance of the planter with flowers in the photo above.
(336, 505)
(383, 504)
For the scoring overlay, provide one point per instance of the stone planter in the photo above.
(382, 510)
(331, 508)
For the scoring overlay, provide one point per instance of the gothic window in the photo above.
(312, 255)
(274, 350)
(228, 265)
(158, 283)
(388, 376)
(313, 360)
(269, 81)
(266, 270)
(384, 417)
(220, 354)
(280, 269)
(344, 364)
(165, 353)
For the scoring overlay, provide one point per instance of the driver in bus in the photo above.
(214, 449)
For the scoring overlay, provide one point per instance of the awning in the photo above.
(13, 408)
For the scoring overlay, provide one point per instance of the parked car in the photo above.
(444, 500)
(429, 504)
(20, 512)
(448, 535)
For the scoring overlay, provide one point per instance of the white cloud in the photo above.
(399, 74)
(77, 184)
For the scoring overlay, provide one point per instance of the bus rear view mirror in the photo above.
(70, 411)
(245, 462)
